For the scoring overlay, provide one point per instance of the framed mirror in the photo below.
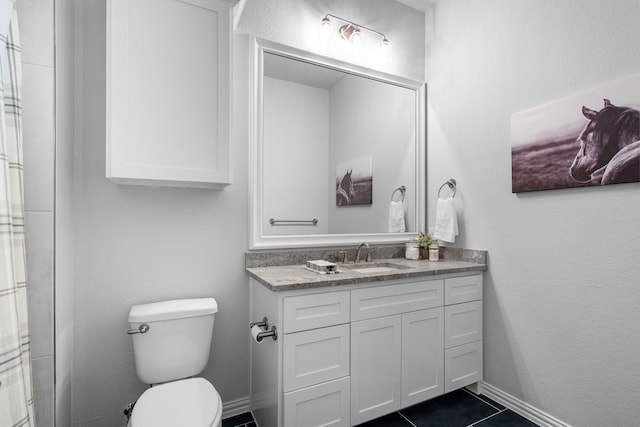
(337, 152)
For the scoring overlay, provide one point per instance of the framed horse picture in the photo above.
(592, 138)
(354, 183)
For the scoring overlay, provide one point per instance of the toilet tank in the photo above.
(177, 342)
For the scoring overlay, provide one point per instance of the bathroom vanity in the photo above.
(365, 342)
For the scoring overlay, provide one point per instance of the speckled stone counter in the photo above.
(285, 270)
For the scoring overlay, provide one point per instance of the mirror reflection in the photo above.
(336, 147)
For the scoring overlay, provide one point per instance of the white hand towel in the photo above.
(446, 228)
(396, 217)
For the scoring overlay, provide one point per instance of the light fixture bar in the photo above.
(346, 31)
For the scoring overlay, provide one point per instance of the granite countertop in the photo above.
(291, 277)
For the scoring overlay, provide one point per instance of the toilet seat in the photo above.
(192, 402)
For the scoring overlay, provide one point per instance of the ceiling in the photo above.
(422, 5)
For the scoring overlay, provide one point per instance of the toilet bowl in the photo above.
(193, 402)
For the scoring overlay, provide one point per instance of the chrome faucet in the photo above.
(366, 245)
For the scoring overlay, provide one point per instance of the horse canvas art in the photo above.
(568, 143)
(354, 183)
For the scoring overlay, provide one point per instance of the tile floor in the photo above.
(460, 408)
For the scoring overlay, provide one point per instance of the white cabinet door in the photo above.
(422, 355)
(168, 92)
(315, 356)
(375, 368)
(322, 405)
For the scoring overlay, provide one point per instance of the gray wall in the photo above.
(65, 212)
(141, 244)
(561, 295)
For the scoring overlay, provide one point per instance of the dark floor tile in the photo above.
(391, 420)
(490, 401)
(455, 409)
(238, 420)
(506, 418)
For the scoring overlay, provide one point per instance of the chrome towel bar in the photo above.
(313, 221)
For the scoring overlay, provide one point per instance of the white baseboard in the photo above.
(520, 407)
(235, 407)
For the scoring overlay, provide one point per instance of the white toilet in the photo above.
(171, 342)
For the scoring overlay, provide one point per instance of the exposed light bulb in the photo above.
(356, 36)
(385, 47)
(325, 26)
(350, 32)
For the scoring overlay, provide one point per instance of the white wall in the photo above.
(561, 294)
(297, 23)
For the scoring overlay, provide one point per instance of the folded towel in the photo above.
(446, 228)
(396, 217)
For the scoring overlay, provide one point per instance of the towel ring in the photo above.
(402, 189)
(451, 183)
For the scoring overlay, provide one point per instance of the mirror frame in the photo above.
(257, 239)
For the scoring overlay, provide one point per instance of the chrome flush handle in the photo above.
(142, 329)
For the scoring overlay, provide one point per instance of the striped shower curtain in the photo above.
(16, 396)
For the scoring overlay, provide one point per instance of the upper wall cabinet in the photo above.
(168, 92)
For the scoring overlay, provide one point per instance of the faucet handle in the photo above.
(343, 254)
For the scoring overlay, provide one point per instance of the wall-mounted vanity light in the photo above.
(352, 32)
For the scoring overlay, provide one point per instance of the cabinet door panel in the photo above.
(326, 404)
(168, 92)
(462, 366)
(315, 356)
(375, 368)
(422, 355)
(463, 323)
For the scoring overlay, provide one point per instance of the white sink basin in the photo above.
(375, 267)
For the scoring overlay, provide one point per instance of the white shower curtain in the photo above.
(16, 396)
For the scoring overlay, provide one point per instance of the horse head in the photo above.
(345, 193)
(607, 132)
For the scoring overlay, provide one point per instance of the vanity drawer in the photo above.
(325, 404)
(463, 289)
(315, 311)
(462, 366)
(387, 300)
(462, 323)
(315, 356)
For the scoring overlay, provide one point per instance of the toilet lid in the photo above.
(191, 402)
